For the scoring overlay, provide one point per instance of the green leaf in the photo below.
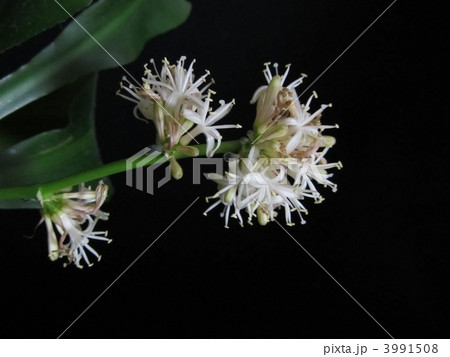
(21, 20)
(122, 27)
(56, 153)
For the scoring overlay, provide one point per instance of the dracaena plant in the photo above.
(274, 170)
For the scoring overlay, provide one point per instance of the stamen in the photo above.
(275, 65)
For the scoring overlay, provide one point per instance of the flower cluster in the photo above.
(281, 162)
(284, 159)
(74, 215)
(180, 108)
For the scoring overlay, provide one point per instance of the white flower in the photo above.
(302, 125)
(284, 121)
(255, 186)
(228, 186)
(172, 87)
(163, 97)
(205, 118)
(179, 107)
(267, 97)
(284, 164)
(74, 215)
(176, 85)
(269, 77)
(313, 168)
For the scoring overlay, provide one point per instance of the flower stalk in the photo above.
(28, 192)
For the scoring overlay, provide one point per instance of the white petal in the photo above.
(257, 94)
(293, 142)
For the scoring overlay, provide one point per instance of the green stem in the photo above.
(30, 191)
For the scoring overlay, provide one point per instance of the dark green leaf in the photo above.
(55, 153)
(20, 204)
(21, 20)
(122, 27)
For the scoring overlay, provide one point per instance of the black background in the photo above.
(383, 236)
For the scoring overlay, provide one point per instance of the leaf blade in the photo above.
(36, 15)
(55, 153)
(74, 53)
